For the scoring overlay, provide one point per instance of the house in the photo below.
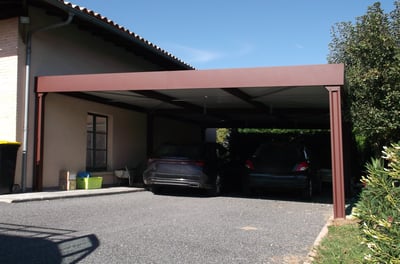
(51, 37)
(83, 93)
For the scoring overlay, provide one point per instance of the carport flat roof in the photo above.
(293, 76)
(246, 97)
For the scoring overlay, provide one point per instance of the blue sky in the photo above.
(211, 34)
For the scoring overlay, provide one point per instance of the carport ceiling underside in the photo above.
(228, 107)
(288, 101)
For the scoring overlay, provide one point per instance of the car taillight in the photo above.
(302, 166)
(199, 163)
(149, 161)
(249, 164)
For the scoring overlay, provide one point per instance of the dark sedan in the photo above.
(280, 165)
(194, 166)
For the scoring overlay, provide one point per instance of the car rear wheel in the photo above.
(155, 189)
(216, 189)
(247, 190)
(308, 191)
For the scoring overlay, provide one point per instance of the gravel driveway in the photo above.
(146, 228)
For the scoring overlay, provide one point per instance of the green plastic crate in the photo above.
(89, 183)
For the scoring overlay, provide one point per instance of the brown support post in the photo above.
(337, 152)
(38, 159)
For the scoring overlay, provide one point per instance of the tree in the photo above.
(370, 50)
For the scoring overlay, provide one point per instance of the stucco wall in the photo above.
(65, 136)
(70, 50)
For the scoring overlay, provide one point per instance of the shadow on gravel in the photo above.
(31, 244)
(325, 197)
(283, 195)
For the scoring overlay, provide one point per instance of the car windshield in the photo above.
(182, 151)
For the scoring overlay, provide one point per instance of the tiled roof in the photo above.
(124, 30)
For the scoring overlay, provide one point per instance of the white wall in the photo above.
(8, 78)
(65, 136)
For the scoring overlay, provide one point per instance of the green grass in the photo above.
(342, 244)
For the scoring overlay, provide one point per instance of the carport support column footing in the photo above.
(337, 151)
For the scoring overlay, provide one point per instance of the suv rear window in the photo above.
(280, 152)
(182, 151)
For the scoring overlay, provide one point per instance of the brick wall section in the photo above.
(8, 78)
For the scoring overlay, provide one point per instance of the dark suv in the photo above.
(280, 165)
(195, 166)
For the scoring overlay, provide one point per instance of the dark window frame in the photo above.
(93, 150)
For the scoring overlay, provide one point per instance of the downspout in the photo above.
(27, 89)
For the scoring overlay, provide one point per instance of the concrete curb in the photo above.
(321, 235)
(52, 195)
(324, 231)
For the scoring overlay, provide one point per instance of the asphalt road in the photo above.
(145, 228)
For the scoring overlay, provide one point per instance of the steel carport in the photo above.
(265, 96)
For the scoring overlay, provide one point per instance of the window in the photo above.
(96, 146)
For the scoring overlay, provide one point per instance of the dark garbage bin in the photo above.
(8, 157)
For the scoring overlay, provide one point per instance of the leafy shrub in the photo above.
(379, 207)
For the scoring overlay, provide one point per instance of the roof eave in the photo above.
(110, 26)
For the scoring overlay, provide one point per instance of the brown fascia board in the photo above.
(293, 76)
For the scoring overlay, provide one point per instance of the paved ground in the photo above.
(53, 195)
(139, 227)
